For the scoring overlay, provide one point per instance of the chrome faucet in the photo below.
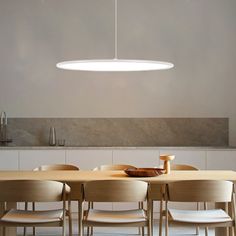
(3, 128)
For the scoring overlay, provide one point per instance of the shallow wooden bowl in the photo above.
(144, 172)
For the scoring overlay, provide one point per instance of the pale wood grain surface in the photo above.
(84, 176)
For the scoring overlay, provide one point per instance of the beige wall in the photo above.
(198, 36)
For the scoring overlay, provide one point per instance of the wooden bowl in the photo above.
(144, 172)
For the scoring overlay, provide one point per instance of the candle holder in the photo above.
(167, 158)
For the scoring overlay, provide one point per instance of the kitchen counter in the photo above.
(9, 147)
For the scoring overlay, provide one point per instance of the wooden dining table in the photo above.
(76, 178)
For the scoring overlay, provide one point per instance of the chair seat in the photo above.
(129, 216)
(21, 216)
(204, 216)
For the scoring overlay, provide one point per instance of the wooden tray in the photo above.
(144, 172)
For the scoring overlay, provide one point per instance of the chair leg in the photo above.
(149, 231)
(142, 231)
(150, 216)
(26, 208)
(33, 208)
(70, 224)
(34, 231)
(206, 228)
(230, 231)
(166, 221)
(63, 229)
(80, 215)
(161, 218)
(64, 224)
(25, 231)
(4, 231)
(90, 229)
(198, 208)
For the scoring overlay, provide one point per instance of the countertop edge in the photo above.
(117, 148)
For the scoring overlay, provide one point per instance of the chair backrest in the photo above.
(32, 191)
(114, 167)
(182, 167)
(56, 167)
(115, 191)
(200, 191)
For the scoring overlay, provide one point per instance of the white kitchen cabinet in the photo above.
(87, 159)
(137, 157)
(195, 158)
(30, 159)
(221, 160)
(9, 160)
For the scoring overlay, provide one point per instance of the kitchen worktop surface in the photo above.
(12, 147)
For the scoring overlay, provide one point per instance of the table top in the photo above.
(84, 176)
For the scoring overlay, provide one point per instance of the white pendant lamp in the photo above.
(114, 64)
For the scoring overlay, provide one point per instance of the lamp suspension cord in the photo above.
(116, 33)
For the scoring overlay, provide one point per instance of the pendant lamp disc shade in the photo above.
(114, 65)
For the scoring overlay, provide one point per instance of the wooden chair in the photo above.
(177, 167)
(53, 167)
(56, 167)
(201, 191)
(113, 167)
(183, 167)
(35, 191)
(116, 191)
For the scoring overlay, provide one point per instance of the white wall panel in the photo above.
(89, 159)
(9, 160)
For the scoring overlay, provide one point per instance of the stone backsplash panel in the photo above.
(120, 131)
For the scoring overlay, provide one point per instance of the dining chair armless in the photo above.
(116, 191)
(115, 167)
(55, 167)
(179, 167)
(35, 191)
(200, 191)
(182, 167)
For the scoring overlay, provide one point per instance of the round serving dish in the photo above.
(144, 172)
